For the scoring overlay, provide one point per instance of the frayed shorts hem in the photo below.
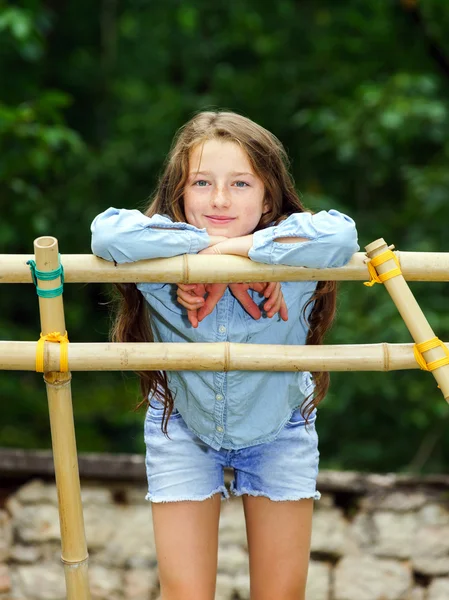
(225, 496)
(273, 498)
(221, 489)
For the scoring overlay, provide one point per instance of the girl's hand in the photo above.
(275, 299)
(191, 296)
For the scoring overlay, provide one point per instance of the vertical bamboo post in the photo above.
(410, 311)
(73, 540)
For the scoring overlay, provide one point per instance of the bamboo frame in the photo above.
(73, 540)
(411, 313)
(190, 268)
(214, 356)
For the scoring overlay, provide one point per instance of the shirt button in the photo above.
(222, 329)
(219, 428)
(218, 397)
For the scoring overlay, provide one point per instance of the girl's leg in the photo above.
(186, 536)
(279, 546)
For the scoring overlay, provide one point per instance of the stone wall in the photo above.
(374, 537)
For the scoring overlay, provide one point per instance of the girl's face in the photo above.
(222, 192)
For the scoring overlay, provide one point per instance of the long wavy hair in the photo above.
(270, 162)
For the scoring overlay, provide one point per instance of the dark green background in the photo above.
(91, 95)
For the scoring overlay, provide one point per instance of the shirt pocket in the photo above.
(155, 411)
(297, 419)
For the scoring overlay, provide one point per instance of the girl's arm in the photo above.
(326, 239)
(128, 235)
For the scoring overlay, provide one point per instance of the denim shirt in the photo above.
(236, 409)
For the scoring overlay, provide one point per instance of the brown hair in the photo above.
(270, 162)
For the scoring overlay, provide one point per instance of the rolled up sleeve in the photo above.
(123, 236)
(331, 241)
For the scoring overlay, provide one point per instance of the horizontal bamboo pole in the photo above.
(86, 268)
(219, 356)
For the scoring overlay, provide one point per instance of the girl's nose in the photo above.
(220, 198)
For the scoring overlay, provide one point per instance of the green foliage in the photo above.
(357, 92)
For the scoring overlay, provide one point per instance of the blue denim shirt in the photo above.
(240, 408)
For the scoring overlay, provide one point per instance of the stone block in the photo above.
(25, 554)
(105, 584)
(139, 584)
(438, 589)
(130, 543)
(95, 494)
(37, 523)
(232, 560)
(5, 535)
(37, 492)
(101, 523)
(434, 514)
(370, 578)
(430, 554)
(318, 581)
(385, 534)
(41, 582)
(394, 534)
(418, 593)
(225, 587)
(329, 532)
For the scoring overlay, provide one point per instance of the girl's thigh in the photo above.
(279, 546)
(186, 537)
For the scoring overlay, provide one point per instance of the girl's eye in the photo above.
(241, 184)
(201, 183)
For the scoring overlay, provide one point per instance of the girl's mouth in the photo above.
(216, 220)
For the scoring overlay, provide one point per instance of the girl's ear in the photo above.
(266, 208)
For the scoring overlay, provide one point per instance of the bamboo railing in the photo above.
(224, 356)
(191, 268)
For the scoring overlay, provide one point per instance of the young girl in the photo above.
(226, 189)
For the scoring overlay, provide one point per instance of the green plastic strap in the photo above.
(47, 276)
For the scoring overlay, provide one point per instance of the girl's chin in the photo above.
(224, 231)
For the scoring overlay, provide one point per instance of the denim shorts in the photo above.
(183, 467)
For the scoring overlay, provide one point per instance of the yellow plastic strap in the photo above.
(423, 347)
(379, 260)
(54, 337)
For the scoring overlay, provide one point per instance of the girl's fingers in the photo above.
(273, 299)
(216, 291)
(187, 286)
(283, 312)
(258, 287)
(276, 303)
(270, 287)
(192, 315)
(240, 292)
(196, 289)
(188, 301)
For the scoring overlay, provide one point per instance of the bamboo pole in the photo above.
(215, 356)
(74, 549)
(411, 313)
(188, 268)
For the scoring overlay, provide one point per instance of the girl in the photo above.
(226, 189)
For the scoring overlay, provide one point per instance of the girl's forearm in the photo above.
(239, 246)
